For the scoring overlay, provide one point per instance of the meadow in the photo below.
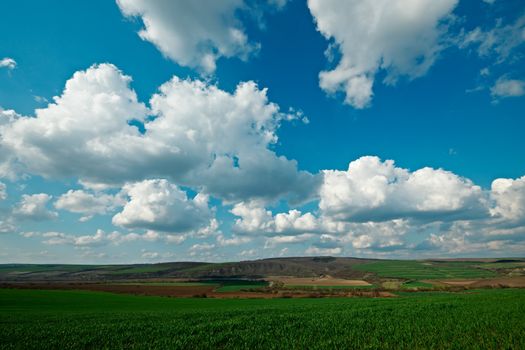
(39, 319)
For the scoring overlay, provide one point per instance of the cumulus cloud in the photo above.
(87, 204)
(99, 238)
(509, 196)
(505, 87)
(83, 131)
(323, 251)
(373, 190)
(467, 237)
(234, 240)
(290, 239)
(34, 207)
(201, 249)
(196, 33)
(8, 166)
(159, 205)
(255, 219)
(8, 63)
(6, 225)
(401, 37)
(3, 192)
(199, 136)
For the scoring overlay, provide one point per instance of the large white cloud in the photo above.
(229, 135)
(199, 136)
(403, 37)
(509, 196)
(159, 205)
(195, 33)
(372, 190)
(84, 133)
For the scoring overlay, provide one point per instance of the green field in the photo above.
(413, 269)
(32, 319)
(416, 284)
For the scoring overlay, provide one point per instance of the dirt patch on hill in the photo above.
(319, 281)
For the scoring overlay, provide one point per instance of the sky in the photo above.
(136, 131)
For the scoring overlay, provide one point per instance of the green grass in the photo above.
(423, 270)
(489, 319)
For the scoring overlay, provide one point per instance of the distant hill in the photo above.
(338, 267)
(300, 267)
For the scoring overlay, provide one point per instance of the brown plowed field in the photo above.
(186, 292)
(137, 289)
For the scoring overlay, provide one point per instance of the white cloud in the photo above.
(468, 237)
(402, 37)
(201, 249)
(201, 136)
(84, 132)
(372, 190)
(248, 253)
(99, 239)
(292, 239)
(323, 251)
(34, 207)
(159, 205)
(8, 63)
(195, 33)
(6, 225)
(88, 204)
(500, 41)
(3, 192)
(8, 167)
(233, 240)
(255, 219)
(508, 88)
(509, 196)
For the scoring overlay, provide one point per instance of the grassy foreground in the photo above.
(34, 319)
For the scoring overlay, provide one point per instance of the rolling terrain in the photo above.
(345, 268)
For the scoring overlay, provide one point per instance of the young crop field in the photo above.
(36, 319)
(236, 286)
(411, 269)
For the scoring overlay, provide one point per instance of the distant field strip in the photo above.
(35, 319)
(423, 270)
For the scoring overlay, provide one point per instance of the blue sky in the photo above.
(249, 115)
